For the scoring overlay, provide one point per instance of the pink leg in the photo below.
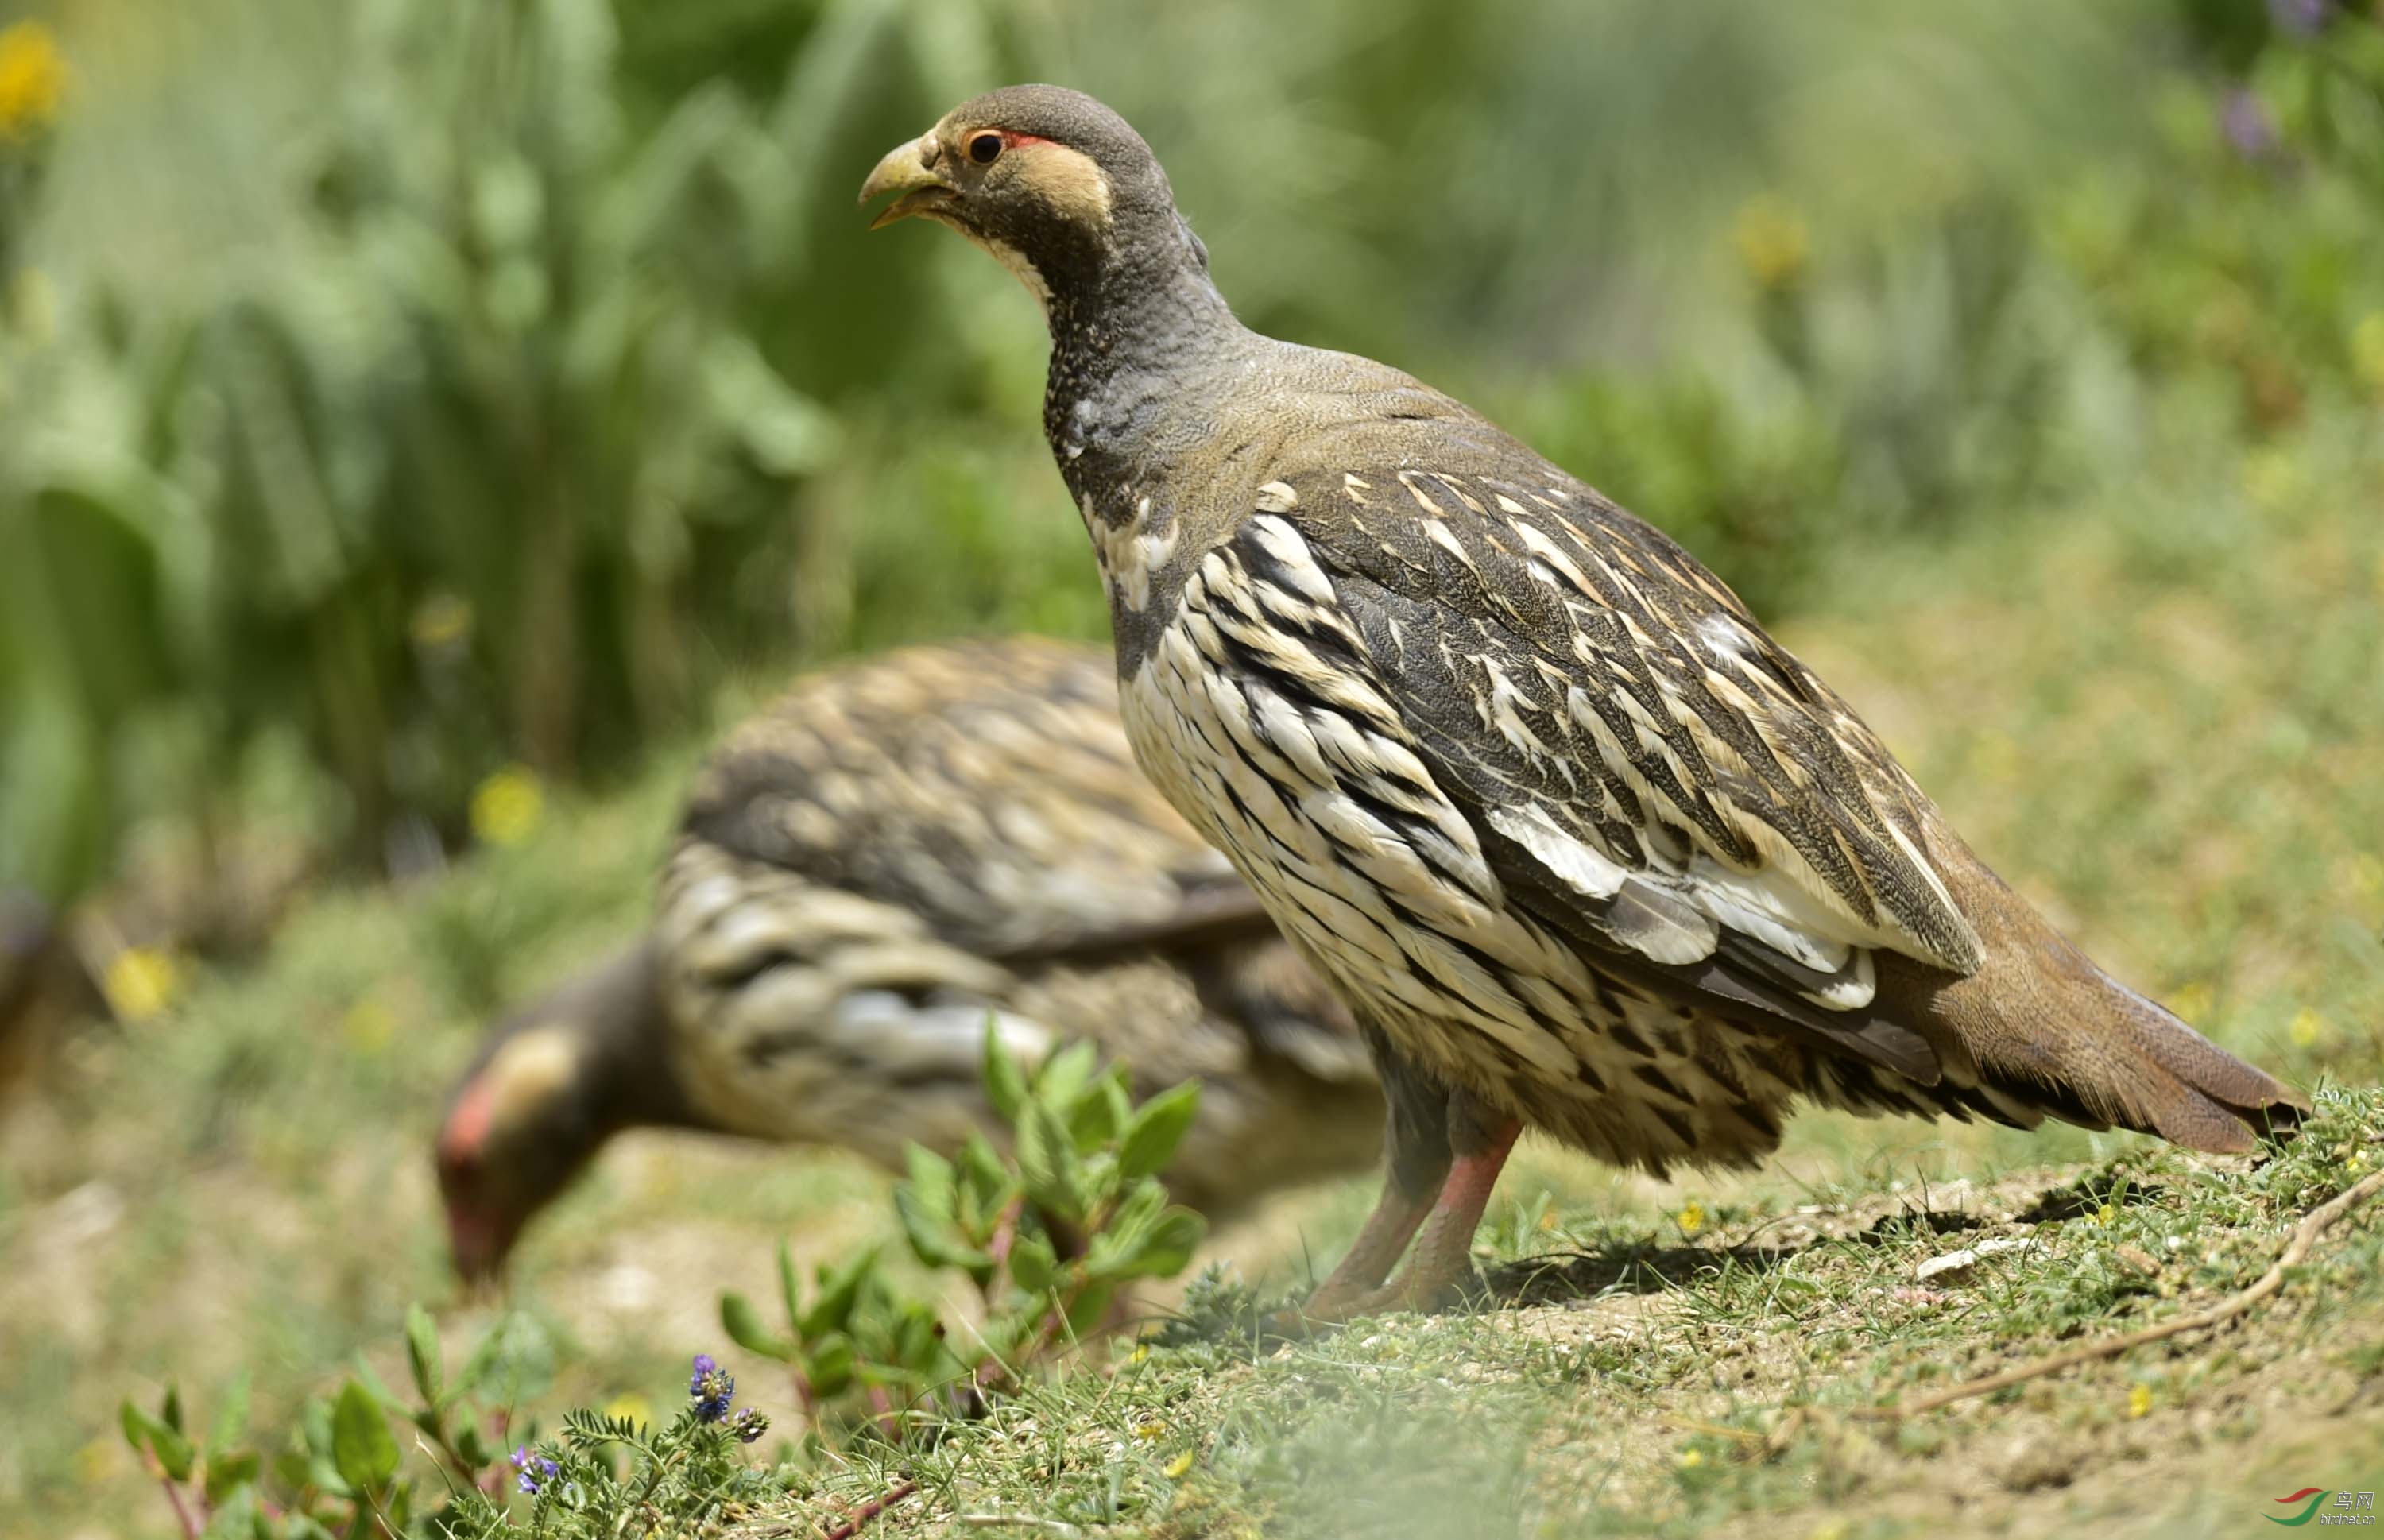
(1360, 1274)
(1444, 1255)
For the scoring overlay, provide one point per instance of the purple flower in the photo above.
(712, 1387)
(2247, 125)
(2299, 18)
(531, 1470)
(749, 1426)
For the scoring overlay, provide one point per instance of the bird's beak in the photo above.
(910, 169)
(479, 1245)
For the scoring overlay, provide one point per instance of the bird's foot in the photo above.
(1439, 1271)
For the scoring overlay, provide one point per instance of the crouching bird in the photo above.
(1584, 849)
(894, 854)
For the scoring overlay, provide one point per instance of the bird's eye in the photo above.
(984, 147)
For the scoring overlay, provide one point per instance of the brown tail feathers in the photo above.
(2041, 1026)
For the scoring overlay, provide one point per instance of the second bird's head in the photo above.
(1059, 188)
(549, 1088)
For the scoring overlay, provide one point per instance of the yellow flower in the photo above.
(2306, 1026)
(1180, 1464)
(141, 982)
(506, 808)
(1692, 1460)
(2106, 1215)
(1772, 239)
(1150, 1431)
(2368, 349)
(1141, 1351)
(631, 1404)
(368, 1026)
(33, 78)
(2192, 1001)
(1691, 1217)
(2140, 1400)
(441, 621)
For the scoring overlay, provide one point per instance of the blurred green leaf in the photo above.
(743, 1323)
(1063, 1076)
(1033, 1265)
(227, 1472)
(933, 1238)
(1005, 1085)
(831, 1307)
(1092, 1116)
(230, 1421)
(829, 1364)
(362, 1449)
(987, 1183)
(157, 1437)
(1173, 1238)
(930, 1176)
(790, 1292)
(1156, 1128)
(1047, 1162)
(422, 1354)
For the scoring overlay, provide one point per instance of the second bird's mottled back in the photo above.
(911, 846)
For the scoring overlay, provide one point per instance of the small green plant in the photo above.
(606, 1473)
(340, 1470)
(1048, 1236)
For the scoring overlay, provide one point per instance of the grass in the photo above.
(2158, 714)
(1651, 1407)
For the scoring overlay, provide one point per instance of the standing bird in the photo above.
(893, 854)
(1581, 845)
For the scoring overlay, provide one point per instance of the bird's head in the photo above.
(1055, 185)
(551, 1085)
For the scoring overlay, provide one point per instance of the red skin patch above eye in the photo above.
(461, 1139)
(1016, 139)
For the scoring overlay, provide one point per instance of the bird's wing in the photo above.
(990, 790)
(1645, 770)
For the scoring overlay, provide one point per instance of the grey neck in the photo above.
(1131, 338)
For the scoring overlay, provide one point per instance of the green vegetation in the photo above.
(487, 391)
(415, 433)
(1046, 1241)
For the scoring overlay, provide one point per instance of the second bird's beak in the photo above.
(910, 169)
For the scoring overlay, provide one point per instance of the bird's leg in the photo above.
(1477, 1142)
(1443, 1258)
(1416, 1150)
(1416, 1144)
(1360, 1276)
